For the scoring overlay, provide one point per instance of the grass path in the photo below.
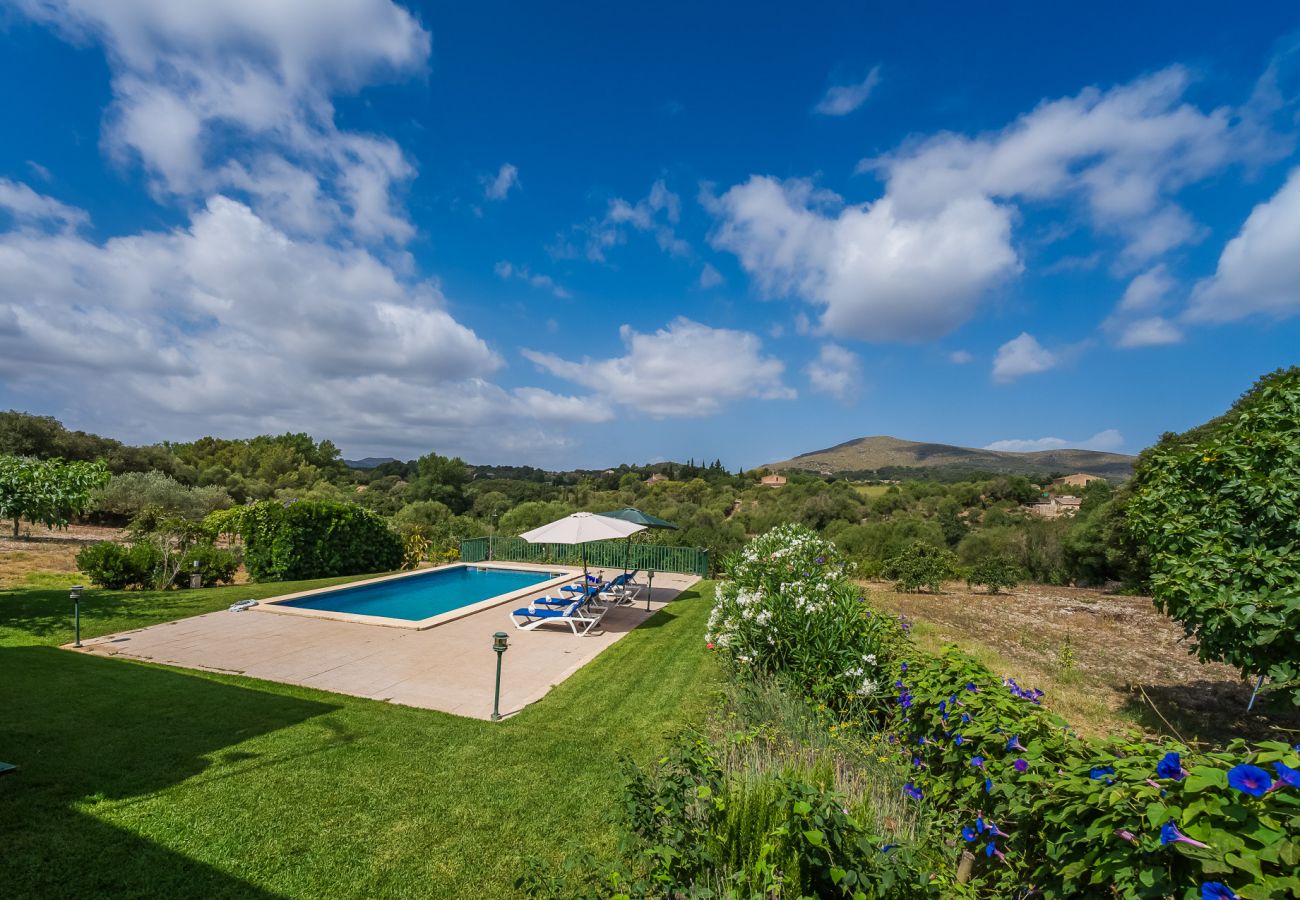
(141, 780)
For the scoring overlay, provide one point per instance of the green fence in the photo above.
(599, 555)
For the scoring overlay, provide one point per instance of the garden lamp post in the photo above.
(75, 596)
(649, 588)
(500, 645)
(196, 578)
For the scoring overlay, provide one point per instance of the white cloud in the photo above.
(1109, 440)
(230, 325)
(255, 79)
(1152, 331)
(1020, 356)
(836, 371)
(842, 99)
(919, 260)
(27, 207)
(1137, 320)
(1123, 152)
(710, 277)
(1259, 269)
(685, 369)
(1147, 290)
(658, 214)
(877, 277)
(507, 270)
(960, 357)
(496, 187)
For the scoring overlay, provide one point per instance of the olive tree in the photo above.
(47, 491)
(1218, 509)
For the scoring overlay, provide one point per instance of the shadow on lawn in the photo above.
(84, 730)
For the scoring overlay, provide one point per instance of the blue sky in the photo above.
(587, 234)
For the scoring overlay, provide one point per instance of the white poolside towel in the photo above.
(242, 605)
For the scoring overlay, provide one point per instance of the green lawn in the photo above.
(150, 781)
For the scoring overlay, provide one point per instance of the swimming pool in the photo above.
(421, 599)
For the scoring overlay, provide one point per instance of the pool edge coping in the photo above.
(275, 604)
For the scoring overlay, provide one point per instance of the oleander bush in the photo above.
(786, 607)
(316, 539)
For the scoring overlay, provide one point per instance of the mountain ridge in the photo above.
(876, 452)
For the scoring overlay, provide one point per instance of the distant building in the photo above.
(1080, 480)
(1055, 507)
(656, 478)
(773, 481)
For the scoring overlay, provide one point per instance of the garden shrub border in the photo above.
(1046, 812)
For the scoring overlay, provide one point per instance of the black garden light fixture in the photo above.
(500, 645)
(75, 596)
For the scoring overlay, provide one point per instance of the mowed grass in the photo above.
(142, 780)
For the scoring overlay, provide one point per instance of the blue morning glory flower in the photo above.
(903, 667)
(1100, 772)
(965, 717)
(912, 791)
(968, 834)
(1014, 744)
(988, 785)
(957, 739)
(1250, 780)
(1171, 766)
(1169, 834)
(1021, 765)
(970, 686)
(1287, 775)
(979, 824)
(977, 762)
(1216, 890)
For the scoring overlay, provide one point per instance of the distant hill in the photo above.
(891, 456)
(370, 462)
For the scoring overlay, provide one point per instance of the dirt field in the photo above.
(1108, 663)
(45, 558)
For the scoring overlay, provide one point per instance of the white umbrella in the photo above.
(582, 528)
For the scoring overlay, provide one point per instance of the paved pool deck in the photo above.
(450, 667)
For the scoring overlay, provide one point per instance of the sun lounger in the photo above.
(576, 613)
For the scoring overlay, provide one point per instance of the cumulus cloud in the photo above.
(507, 270)
(657, 214)
(710, 277)
(1122, 152)
(496, 187)
(918, 261)
(26, 207)
(836, 371)
(876, 276)
(230, 324)
(1109, 440)
(1259, 270)
(1152, 331)
(1021, 356)
(960, 357)
(256, 79)
(684, 369)
(1147, 290)
(842, 99)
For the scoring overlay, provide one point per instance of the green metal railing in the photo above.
(599, 554)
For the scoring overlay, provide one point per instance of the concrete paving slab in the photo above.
(449, 667)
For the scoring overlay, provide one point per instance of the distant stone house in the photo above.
(1055, 507)
(772, 481)
(656, 478)
(1080, 480)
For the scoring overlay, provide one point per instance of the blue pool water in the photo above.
(421, 596)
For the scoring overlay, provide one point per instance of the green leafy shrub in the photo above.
(920, 567)
(47, 491)
(316, 539)
(108, 565)
(1219, 510)
(216, 566)
(994, 573)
